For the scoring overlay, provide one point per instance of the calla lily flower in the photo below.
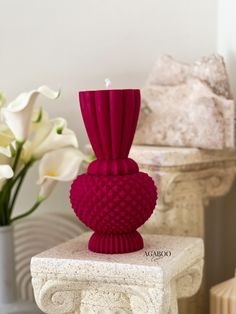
(27, 135)
(6, 136)
(59, 165)
(6, 172)
(18, 113)
(6, 151)
(50, 135)
(7, 142)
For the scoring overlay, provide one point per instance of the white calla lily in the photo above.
(6, 172)
(50, 135)
(59, 165)
(6, 151)
(6, 136)
(7, 143)
(27, 135)
(18, 113)
(39, 116)
(55, 141)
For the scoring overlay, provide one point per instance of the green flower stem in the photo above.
(27, 213)
(21, 176)
(16, 178)
(4, 200)
(6, 190)
(19, 147)
(2, 213)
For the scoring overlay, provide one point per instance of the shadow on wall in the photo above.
(229, 234)
(220, 229)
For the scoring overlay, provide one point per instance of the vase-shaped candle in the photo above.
(223, 297)
(113, 198)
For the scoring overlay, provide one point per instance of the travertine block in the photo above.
(187, 105)
(71, 279)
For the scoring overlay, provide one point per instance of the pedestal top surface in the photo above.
(178, 156)
(163, 255)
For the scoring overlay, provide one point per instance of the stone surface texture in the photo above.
(71, 279)
(187, 105)
(187, 178)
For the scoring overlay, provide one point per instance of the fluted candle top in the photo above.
(110, 118)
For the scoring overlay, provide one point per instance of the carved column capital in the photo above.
(187, 179)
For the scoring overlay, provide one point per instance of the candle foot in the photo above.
(116, 243)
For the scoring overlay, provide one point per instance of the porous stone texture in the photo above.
(187, 178)
(71, 279)
(187, 105)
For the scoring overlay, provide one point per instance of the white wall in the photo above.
(75, 44)
(226, 41)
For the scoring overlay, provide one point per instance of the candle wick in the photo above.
(107, 83)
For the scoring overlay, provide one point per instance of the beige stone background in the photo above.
(76, 44)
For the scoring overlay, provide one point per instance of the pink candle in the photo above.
(113, 198)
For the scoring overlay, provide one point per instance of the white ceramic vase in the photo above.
(8, 292)
(7, 266)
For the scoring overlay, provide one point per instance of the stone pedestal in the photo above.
(187, 179)
(70, 279)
